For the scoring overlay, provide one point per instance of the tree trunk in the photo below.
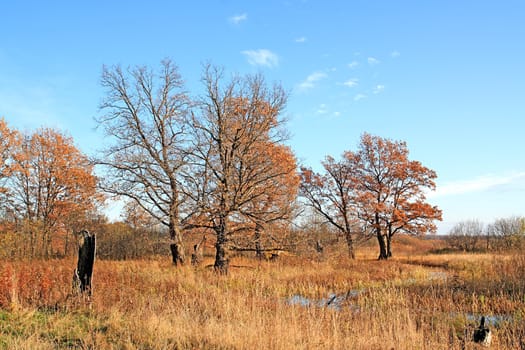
(177, 254)
(222, 259)
(176, 247)
(383, 250)
(66, 243)
(258, 247)
(319, 247)
(350, 245)
(381, 239)
(32, 240)
(389, 246)
(86, 259)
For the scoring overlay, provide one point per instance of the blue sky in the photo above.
(447, 77)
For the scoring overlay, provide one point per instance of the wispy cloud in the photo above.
(479, 184)
(238, 18)
(31, 104)
(359, 97)
(353, 65)
(395, 54)
(373, 61)
(311, 80)
(378, 89)
(300, 40)
(351, 82)
(262, 57)
(322, 109)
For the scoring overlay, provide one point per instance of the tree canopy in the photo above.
(376, 189)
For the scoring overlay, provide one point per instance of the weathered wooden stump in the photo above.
(197, 255)
(319, 247)
(86, 259)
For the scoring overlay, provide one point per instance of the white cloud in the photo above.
(353, 65)
(351, 82)
(395, 54)
(337, 114)
(261, 57)
(311, 80)
(300, 40)
(238, 18)
(359, 97)
(479, 184)
(378, 89)
(373, 61)
(322, 109)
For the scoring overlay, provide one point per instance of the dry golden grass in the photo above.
(411, 302)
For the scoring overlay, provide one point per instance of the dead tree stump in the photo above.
(319, 247)
(197, 255)
(86, 259)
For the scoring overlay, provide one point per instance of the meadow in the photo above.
(417, 300)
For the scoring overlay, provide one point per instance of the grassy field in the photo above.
(414, 301)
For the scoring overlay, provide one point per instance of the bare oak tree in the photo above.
(145, 115)
(235, 118)
(507, 231)
(466, 235)
(331, 195)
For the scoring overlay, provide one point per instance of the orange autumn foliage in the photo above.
(8, 141)
(279, 190)
(237, 133)
(375, 190)
(389, 190)
(53, 188)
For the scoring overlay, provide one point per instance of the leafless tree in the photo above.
(235, 121)
(508, 231)
(330, 195)
(145, 114)
(466, 235)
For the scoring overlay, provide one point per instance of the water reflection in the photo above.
(333, 301)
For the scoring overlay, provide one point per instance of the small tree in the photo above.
(331, 195)
(508, 231)
(466, 235)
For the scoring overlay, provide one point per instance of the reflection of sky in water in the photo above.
(336, 302)
(490, 320)
(333, 301)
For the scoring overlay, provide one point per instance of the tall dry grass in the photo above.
(411, 302)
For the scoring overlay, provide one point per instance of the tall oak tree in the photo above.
(389, 190)
(238, 122)
(145, 116)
